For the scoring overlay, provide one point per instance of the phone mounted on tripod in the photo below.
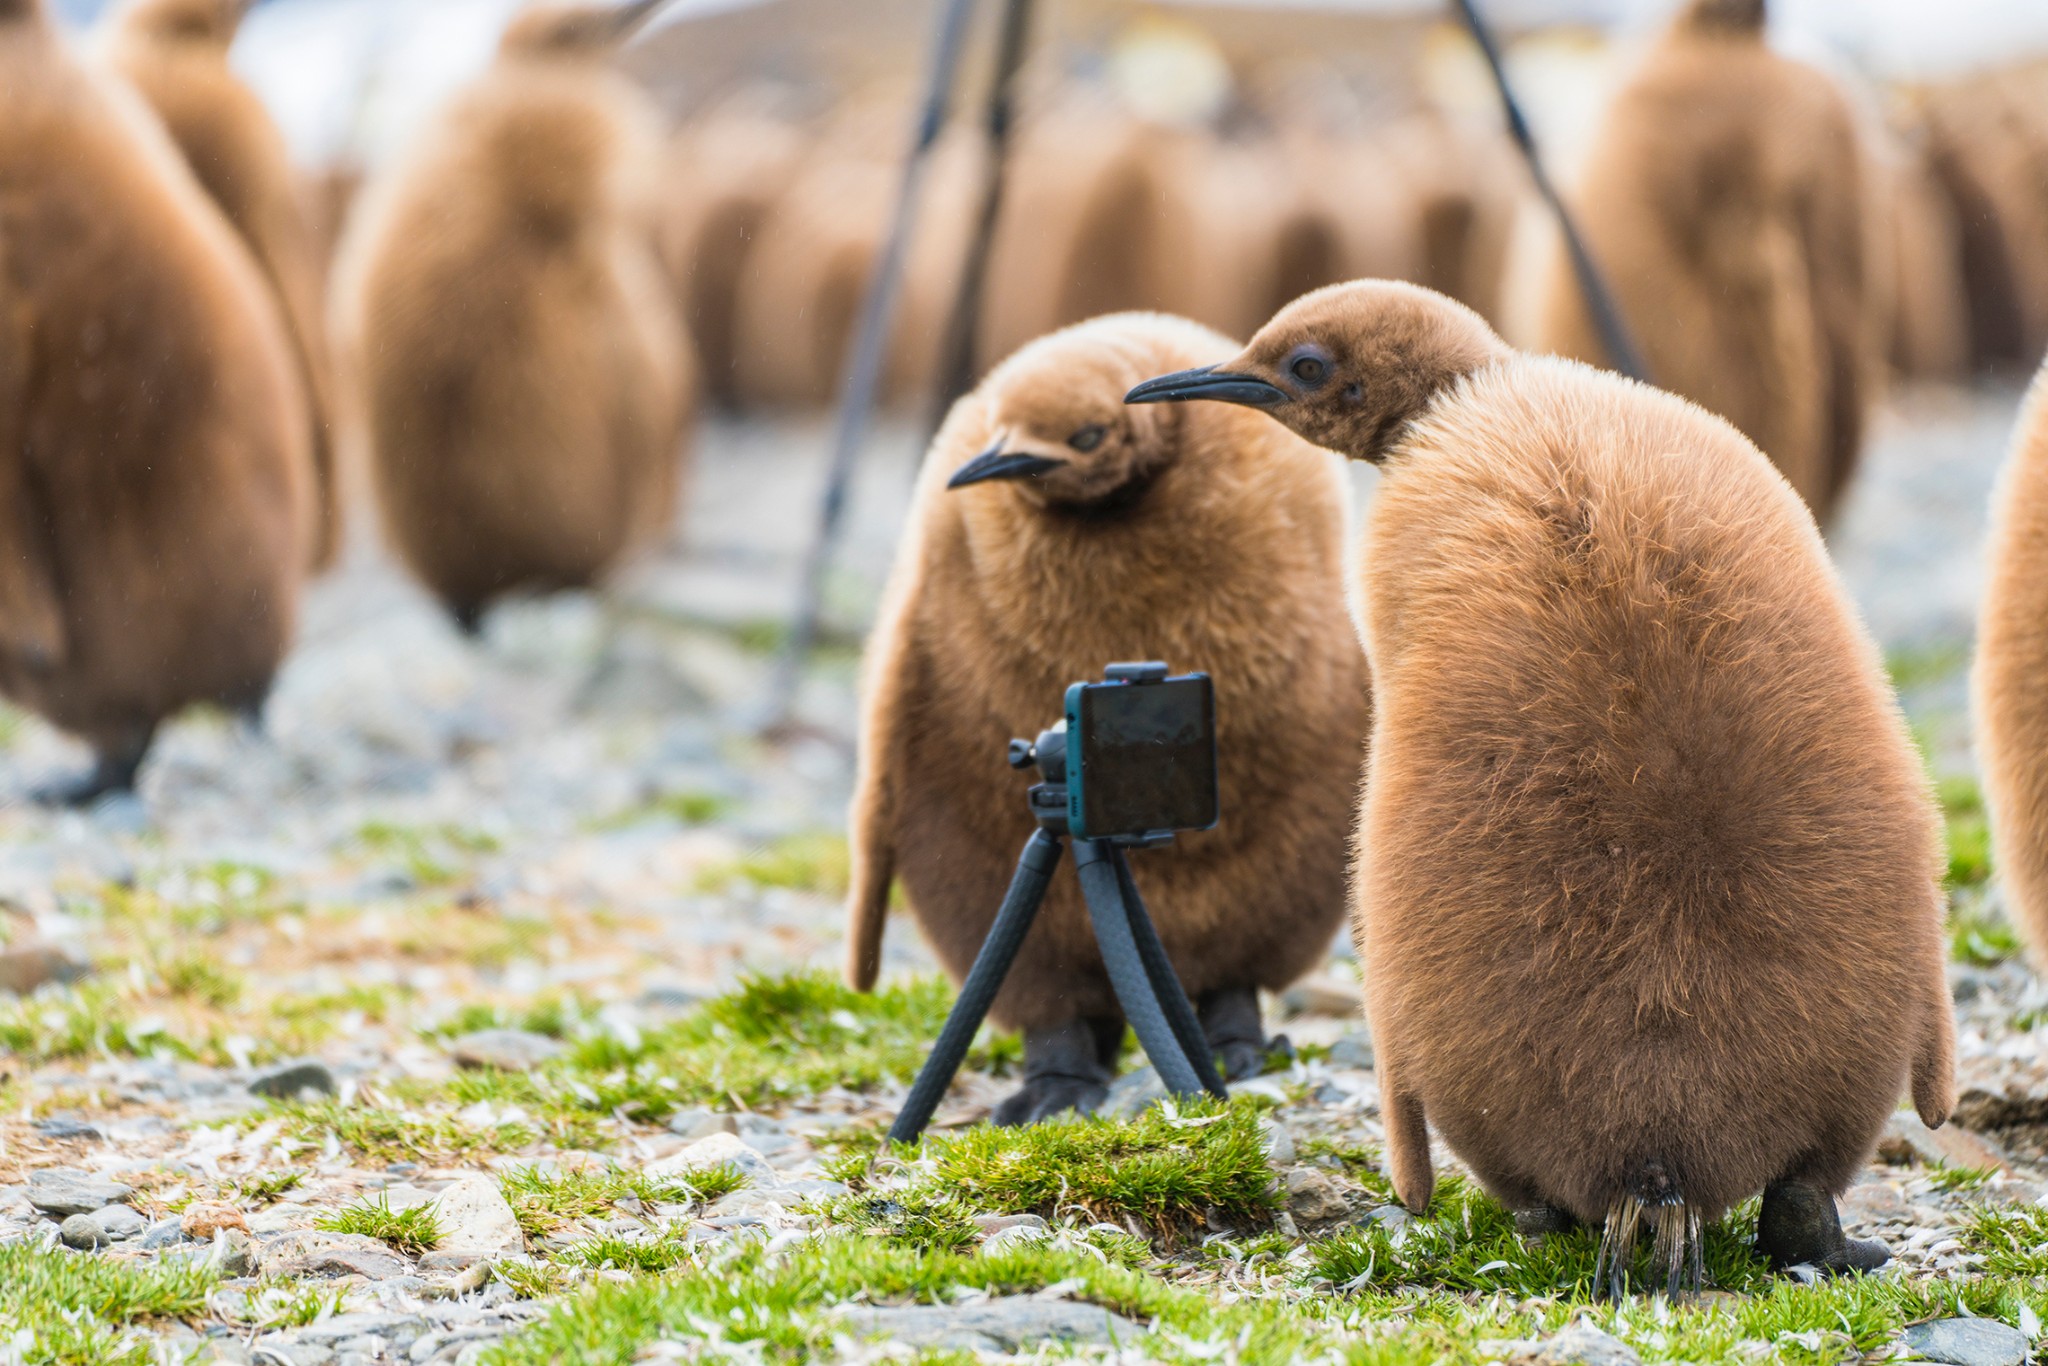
(1131, 763)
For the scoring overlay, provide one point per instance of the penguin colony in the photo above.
(1725, 200)
(156, 487)
(1641, 812)
(525, 378)
(1055, 530)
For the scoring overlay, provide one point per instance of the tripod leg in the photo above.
(1094, 860)
(1020, 907)
(1166, 984)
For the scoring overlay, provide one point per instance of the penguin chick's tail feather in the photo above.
(1654, 1205)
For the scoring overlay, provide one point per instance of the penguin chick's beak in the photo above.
(995, 463)
(1208, 382)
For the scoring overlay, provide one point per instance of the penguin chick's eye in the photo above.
(1089, 437)
(1309, 369)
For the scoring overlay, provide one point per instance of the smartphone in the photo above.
(1141, 754)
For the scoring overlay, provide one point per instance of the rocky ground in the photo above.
(473, 1011)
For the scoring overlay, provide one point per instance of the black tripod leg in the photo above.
(1165, 982)
(1020, 907)
(1095, 861)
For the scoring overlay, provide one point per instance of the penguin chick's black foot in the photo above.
(1230, 1021)
(1066, 1067)
(1541, 1220)
(1798, 1224)
(114, 768)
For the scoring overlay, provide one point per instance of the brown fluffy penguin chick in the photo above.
(175, 52)
(155, 486)
(524, 375)
(1056, 531)
(1724, 200)
(1648, 873)
(2011, 675)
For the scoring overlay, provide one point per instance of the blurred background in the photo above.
(603, 744)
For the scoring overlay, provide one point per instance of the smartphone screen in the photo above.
(1148, 756)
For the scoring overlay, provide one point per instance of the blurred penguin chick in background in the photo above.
(1056, 531)
(175, 53)
(1724, 200)
(155, 483)
(524, 377)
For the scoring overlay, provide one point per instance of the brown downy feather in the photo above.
(175, 53)
(1724, 202)
(1648, 895)
(524, 380)
(1208, 539)
(2011, 675)
(154, 474)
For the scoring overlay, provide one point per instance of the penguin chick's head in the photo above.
(590, 32)
(1060, 435)
(1346, 366)
(209, 22)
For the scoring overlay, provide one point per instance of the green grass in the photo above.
(684, 808)
(2013, 1241)
(1969, 831)
(553, 1014)
(1917, 666)
(1979, 937)
(263, 1188)
(1947, 1178)
(1467, 1244)
(545, 1200)
(87, 1020)
(198, 977)
(381, 1135)
(664, 1251)
(411, 1231)
(1165, 1171)
(816, 862)
(62, 1309)
(429, 854)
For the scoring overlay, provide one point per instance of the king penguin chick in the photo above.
(155, 484)
(524, 374)
(1080, 534)
(1724, 198)
(1647, 892)
(2011, 675)
(175, 53)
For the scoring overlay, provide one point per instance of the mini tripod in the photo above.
(1139, 970)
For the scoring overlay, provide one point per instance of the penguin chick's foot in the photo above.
(1541, 1220)
(1798, 1224)
(1066, 1067)
(114, 768)
(1230, 1021)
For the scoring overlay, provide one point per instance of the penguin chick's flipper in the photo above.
(1408, 1161)
(1934, 1061)
(1066, 1067)
(1230, 1022)
(115, 764)
(1798, 1225)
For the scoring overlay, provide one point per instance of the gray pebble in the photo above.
(112, 1224)
(1578, 1344)
(165, 1233)
(1352, 1050)
(62, 1191)
(1968, 1342)
(66, 1126)
(1009, 1324)
(290, 1080)
(698, 1123)
(507, 1050)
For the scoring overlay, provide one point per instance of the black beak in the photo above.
(1208, 382)
(994, 464)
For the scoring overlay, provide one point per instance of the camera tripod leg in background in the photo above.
(1013, 921)
(1096, 862)
(1166, 983)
